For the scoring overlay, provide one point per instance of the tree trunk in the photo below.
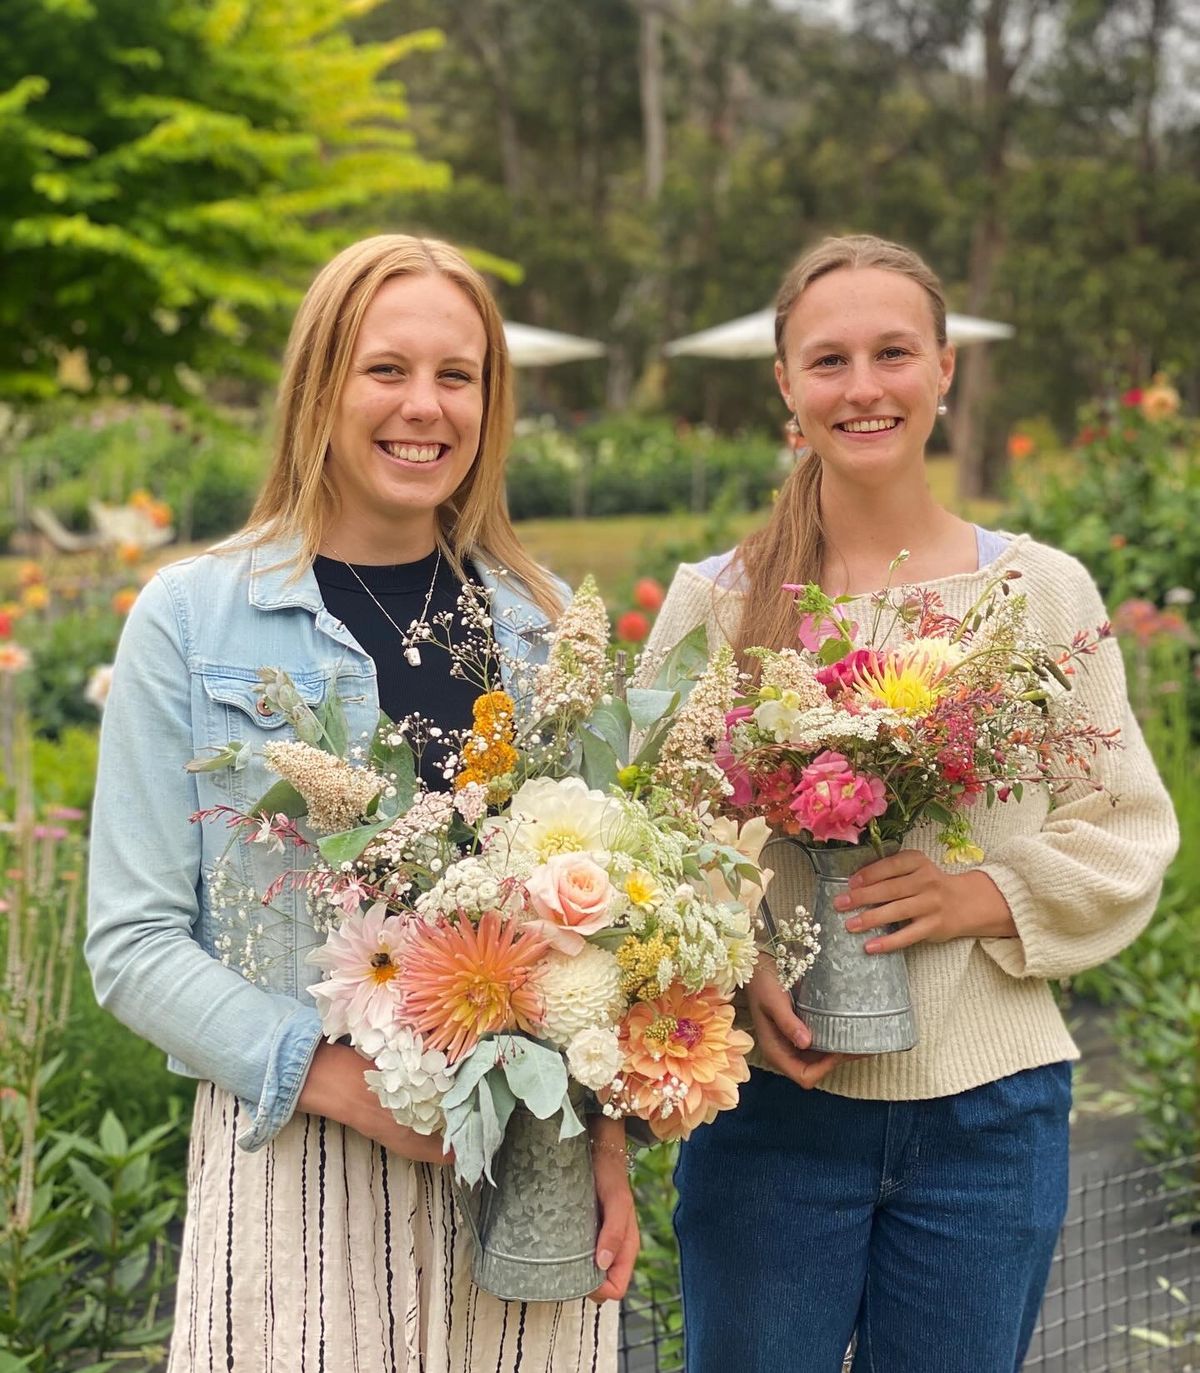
(650, 85)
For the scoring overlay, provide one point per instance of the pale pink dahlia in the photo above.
(361, 960)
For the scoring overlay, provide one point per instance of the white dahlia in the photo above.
(411, 1081)
(594, 1057)
(580, 991)
(549, 816)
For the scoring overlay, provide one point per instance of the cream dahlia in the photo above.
(579, 991)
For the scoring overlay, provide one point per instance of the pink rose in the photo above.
(832, 801)
(737, 775)
(841, 676)
(571, 895)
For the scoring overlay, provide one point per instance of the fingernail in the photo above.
(854, 924)
(872, 946)
(843, 903)
(604, 1259)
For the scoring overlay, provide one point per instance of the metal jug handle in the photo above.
(764, 908)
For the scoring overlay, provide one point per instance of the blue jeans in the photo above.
(927, 1226)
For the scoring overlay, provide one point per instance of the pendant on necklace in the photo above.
(412, 656)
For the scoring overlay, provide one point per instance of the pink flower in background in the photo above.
(572, 895)
(843, 675)
(832, 801)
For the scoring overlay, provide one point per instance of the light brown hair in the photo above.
(299, 498)
(790, 547)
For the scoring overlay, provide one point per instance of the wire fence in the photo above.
(1124, 1290)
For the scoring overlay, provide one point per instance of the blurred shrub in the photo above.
(1124, 498)
(206, 467)
(628, 464)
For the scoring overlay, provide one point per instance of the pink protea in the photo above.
(361, 960)
(463, 981)
(833, 801)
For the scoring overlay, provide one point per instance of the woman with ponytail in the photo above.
(912, 1200)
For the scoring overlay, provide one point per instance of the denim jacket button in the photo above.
(264, 709)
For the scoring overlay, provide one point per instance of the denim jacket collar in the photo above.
(517, 621)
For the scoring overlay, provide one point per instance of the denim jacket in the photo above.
(184, 680)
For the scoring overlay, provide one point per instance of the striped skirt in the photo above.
(324, 1253)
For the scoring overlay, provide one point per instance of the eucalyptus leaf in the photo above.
(571, 1124)
(345, 847)
(684, 663)
(281, 799)
(537, 1076)
(479, 1061)
(647, 705)
(600, 764)
(331, 715)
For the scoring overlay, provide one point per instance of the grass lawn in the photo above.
(614, 549)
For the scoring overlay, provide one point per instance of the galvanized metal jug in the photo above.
(535, 1231)
(852, 1002)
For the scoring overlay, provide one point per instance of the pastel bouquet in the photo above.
(557, 928)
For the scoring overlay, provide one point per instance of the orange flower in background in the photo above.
(1160, 400)
(160, 514)
(488, 752)
(30, 574)
(1117, 541)
(141, 499)
(36, 596)
(633, 626)
(463, 981)
(13, 658)
(1020, 446)
(129, 554)
(683, 1059)
(122, 601)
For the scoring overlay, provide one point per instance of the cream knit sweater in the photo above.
(1081, 878)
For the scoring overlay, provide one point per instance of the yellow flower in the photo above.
(641, 963)
(488, 753)
(964, 853)
(36, 597)
(640, 887)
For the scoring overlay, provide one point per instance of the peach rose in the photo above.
(572, 897)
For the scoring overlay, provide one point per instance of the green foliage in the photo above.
(1125, 500)
(170, 173)
(656, 1277)
(207, 467)
(629, 464)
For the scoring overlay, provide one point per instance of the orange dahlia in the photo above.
(463, 981)
(683, 1060)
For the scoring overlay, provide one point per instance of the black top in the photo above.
(428, 690)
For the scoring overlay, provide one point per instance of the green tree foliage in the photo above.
(171, 171)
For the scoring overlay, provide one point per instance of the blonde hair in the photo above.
(298, 497)
(790, 547)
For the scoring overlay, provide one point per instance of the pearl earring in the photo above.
(942, 407)
(792, 425)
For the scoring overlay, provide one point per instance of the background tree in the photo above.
(171, 171)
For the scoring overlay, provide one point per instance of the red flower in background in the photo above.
(1132, 397)
(5, 624)
(633, 626)
(648, 594)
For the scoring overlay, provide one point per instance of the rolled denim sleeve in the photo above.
(144, 883)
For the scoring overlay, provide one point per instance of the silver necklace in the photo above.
(412, 654)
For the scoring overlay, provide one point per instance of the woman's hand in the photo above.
(909, 889)
(781, 1035)
(335, 1087)
(618, 1242)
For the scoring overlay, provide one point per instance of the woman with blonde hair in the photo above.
(320, 1233)
(914, 1199)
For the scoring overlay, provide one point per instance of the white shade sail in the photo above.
(530, 347)
(753, 336)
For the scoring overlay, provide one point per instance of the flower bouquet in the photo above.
(556, 930)
(847, 745)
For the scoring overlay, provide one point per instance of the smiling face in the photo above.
(409, 417)
(863, 371)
